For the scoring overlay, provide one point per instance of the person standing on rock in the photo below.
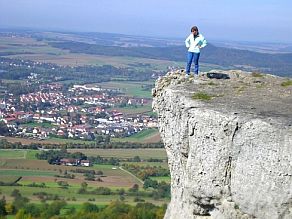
(194, 43)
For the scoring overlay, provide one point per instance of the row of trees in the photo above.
(153, 189)
(4, 144)
(54, 157)
(23, 209)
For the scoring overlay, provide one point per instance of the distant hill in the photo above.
(110, 44)
(278, 64)
(263, 47)
(108, 39)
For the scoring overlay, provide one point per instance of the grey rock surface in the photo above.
(229, 145)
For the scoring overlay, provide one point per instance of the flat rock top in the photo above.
(253, 94)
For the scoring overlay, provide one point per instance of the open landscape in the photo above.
(113, 174)
(78, 84)
(77, 127)
(20, 170)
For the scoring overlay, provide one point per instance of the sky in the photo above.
(235, 20)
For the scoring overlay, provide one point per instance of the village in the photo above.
(80, 111)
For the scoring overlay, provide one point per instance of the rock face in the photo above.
(229, 145)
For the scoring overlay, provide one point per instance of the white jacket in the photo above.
(194, 43)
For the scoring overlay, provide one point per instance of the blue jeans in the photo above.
(193, 56)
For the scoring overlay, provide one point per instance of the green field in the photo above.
(26, 173)
(22, 165)
(145, 136)
(18, 154)
(132, 89)
(141, 136)
(52, 140)
(64, 140)
(8, 179)
(35, 124)
(67, 193)
(134, 110)
(19, 163)
(30, 155)
(161, 178)
(41, 171)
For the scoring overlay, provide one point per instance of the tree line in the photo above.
(54, 157)
(4, 144)
(23, 209)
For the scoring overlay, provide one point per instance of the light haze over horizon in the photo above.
(249, 20)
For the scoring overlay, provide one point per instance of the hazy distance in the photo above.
(241, 20)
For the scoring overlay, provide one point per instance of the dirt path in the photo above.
(126, 171)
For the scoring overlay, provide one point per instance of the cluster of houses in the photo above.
(74, 162)
(115, 125)
(76, 114)
(77, 97)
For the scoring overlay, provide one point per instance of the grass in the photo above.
(64, 140)
(15, 154)
(257, 74)
(131, 89)
(144, 133)
(202, 96)
(161, 179)
(211, 83)
(30, 155)
(6, 81)
(41, 172)
(47, 184)
(51, 140)
(8, 179)
(72, 185)
(129, 110)
(138, 137)
(26, 173)
(240, 89)
(25, 164)
(68, 194)
(18, 154)
(286, 83)
(35, 124)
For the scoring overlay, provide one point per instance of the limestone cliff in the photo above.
(229, 145)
